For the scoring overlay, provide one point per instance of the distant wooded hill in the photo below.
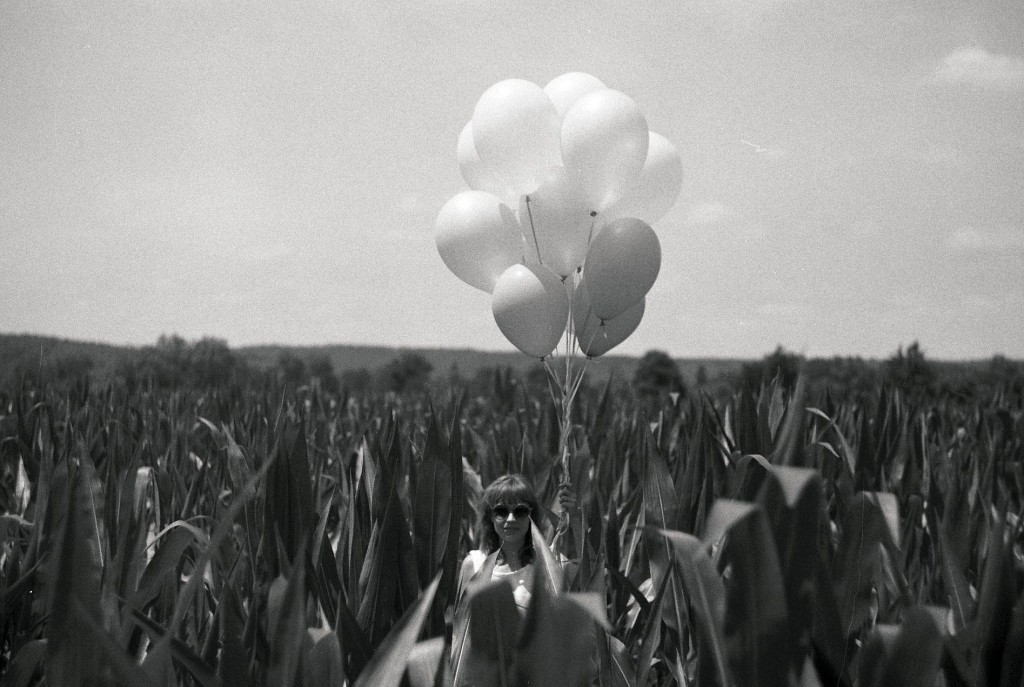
(468, 361)
(28, 352)
(172, 361)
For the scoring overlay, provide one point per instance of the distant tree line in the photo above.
(907, 370)
(173, 362)
(208, 362)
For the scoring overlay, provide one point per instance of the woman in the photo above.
(506, 554)
(510, 507)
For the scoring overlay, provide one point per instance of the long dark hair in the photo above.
(509, 490)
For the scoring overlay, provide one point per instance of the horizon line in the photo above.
(485, 351)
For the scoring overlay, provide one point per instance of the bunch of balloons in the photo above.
(565, 182)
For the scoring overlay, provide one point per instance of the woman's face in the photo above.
(511, 522)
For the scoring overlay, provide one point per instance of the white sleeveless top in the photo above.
(521, 580)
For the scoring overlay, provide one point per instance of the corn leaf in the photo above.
(26, 665)
(494, 629)
(661, 503)
(888, 507)
(321, 659)
(661, 511)
(116, 665)
(863, 529)
(997, 597)
(356, 649)
(351, 555)
(954, 579)
(706, 594)
(289, 509)
(389, 573)
(177, 651)
(432, 512)
(73, 657)
(160, 575)
(461, 477)
(650, 637)
(548, 570)
(755, 624)
(832, 650)
(745, 432)
(793, 502)
(904, 656)
(428, 664)
(461, 620)
(286, 623)
(848, 453)
(233, 666)
(789, 439)
(388, 663)
(616, 667)
(223, 529)
(1013, 649)
(749, 475)
(560, 650)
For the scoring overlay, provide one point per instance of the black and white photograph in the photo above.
(465, 343)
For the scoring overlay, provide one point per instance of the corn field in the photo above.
(261, 537)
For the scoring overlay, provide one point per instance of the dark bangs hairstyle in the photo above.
(510, 490)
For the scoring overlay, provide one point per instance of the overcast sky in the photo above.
(271, 172)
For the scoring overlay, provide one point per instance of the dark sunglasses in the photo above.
(521, 511)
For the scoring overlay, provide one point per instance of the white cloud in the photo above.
(978, 67)
(975, 240)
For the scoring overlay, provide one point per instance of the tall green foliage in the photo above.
(274, 536)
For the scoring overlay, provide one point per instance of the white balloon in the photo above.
(480, 176)
(478, 238)
(556, 225)
(604, 145)
(658, 186)
(516, 132)
(531, 308)
(566, 89)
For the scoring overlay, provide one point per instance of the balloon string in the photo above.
(571, 328)
(566, 430)
(551, 376)
(568, 380)
(529, 213)
(579, 380)
(583, 371)
(568, 349)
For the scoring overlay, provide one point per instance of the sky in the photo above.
(853, 170)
